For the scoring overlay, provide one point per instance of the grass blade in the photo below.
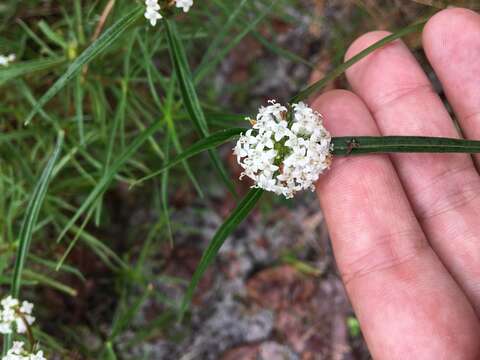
(31, 216)
(96, 48)
(107, 178)
(28, 225)
(339, 70)
(250, 26)
(190, 97)
(207, 143)
(238, 215)
(28, 67)
(398, 144)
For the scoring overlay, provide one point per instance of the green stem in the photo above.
(355, 145)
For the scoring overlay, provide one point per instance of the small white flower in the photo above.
(9, 302)
(17, 352)
(6, 60)
(26, 307)
(20, 321)
(152, 13)
(5, 328)
(184, 4)
(284, 154)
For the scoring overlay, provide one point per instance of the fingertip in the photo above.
(449, 29)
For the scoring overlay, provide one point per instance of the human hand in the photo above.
(405, 228)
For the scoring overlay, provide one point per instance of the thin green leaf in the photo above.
(209, 66)
(222, 33)
(78, 94)
(238, 215)
(339, 70)
(28, 67)
(28, 225)
(45, 280)
(190, 97)
(95, 49)
(210, 142)
(400, 144)
(164, 192)
(52, 35)
(107, 178)
(31, 216)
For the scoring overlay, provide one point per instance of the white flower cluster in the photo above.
(12, 312)
(153, 14)
(17, 352)
(284, 152)
(6, 60)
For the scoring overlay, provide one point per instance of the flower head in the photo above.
(286, 150)
(12, 312)
(17, 352)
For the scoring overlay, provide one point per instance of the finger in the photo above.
(452, 43)
(443, 188)
(401, 292)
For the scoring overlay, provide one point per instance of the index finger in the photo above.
(406, 301)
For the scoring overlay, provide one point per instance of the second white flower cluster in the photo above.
(153, 14)
(15, 316)
(285, 151)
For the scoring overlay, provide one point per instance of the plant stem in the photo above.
(355, 145)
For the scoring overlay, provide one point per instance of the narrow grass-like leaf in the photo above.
(28, 67)
(96, 48)
(355, 145)
(28, 225)
(31, 216)
(52, 35)
(45, 280)
(222, 33)
(78, 94)
(167, 110)
(210, 142)
(190, 97)
(43, 46)
(125, 318)
(107, 178)
(242, 210)
(164, 192)
(339, 70)
(209, 66)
